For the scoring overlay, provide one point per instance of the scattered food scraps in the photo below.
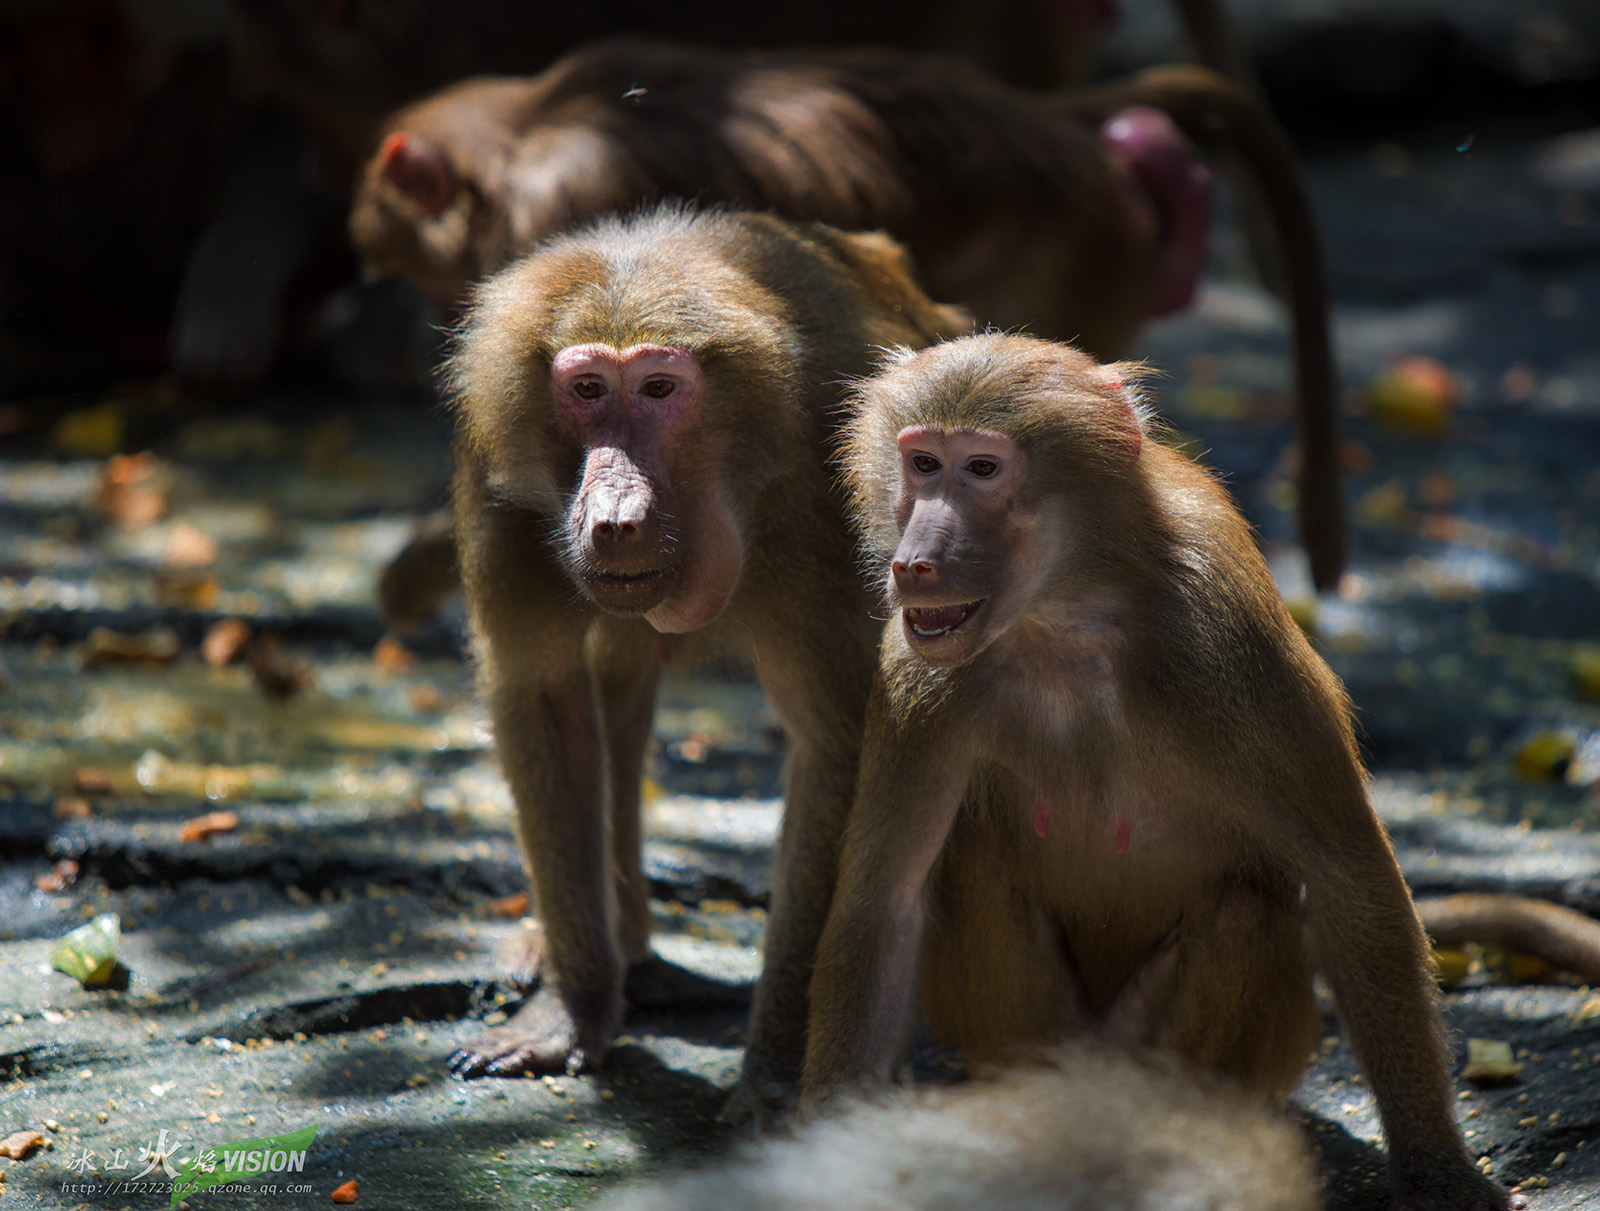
(62, 876)
(1489, 1062)
(132, 491)
(1545, 757)
(1414, 397)
(190, 547)
(208, 825)
(347, 1193)
(20, 1145)
(92, 781)
(392, 656)
(71, 807)
(89, 953)
(225, 642)
(512, 907)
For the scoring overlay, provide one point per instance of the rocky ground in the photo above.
(315, 961)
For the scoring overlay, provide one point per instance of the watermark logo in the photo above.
(242, 1161)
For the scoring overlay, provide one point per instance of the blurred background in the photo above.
(215, 431)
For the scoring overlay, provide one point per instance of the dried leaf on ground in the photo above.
(92, 781)
(132, 491)
(512, 907)
(225, 642)
(190, 547)
(62, 876)
(392, 656)
(208, 825)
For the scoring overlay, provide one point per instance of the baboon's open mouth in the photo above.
(937, 621)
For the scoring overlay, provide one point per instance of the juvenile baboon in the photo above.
(1101, 762)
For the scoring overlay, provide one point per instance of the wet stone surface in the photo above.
(317, 962)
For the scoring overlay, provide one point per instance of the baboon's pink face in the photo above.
(647, 532)
(964, 529)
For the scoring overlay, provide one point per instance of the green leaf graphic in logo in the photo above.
(242, 1161)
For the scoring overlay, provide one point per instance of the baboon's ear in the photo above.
(1102, 401)
(419, 169)
(1121, 388)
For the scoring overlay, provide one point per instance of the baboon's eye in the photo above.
(983, 467)
(927, 464)
(588, 388)
(659, 388)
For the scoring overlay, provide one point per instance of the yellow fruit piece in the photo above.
(89, 953)
(1545, 757)
(1414, 397)
(1489, 1062)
